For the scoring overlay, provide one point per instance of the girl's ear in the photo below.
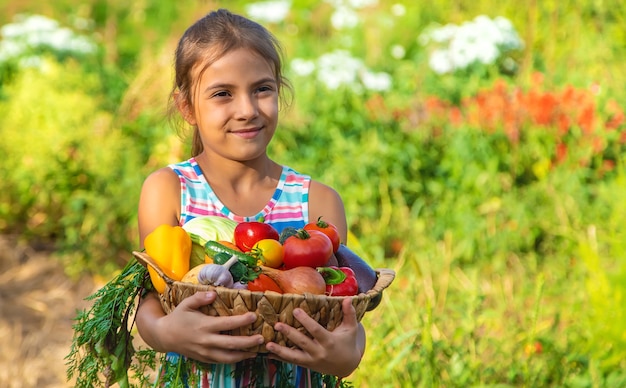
(185, 109)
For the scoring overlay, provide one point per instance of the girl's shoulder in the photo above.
(326, 202)
(160, 178)
(160, 191)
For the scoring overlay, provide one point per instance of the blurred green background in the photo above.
(496, 188)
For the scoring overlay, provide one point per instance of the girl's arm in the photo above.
(156, 206)
(325, 202)
(186, 330)
(159, 202)
(338, 352)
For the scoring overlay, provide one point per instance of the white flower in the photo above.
(485, 53)
(27, 25)
(460, 54)
(59, 39)
(269, 11)
(440, 61)
(355, 4)
(80, 44)
(338, 68)
(302, 67)
(398, 10)
(344, 17)
(443, 34)
(511, 39)
(397, 51)
(358, 4)
(10, 49)
(481, 40)
(484, 27)
(36, 32)
(376, 81)
(503, 23)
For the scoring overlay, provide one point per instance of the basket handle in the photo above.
(148, 261)
(385, 278)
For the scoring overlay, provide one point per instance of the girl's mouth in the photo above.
(247, 133)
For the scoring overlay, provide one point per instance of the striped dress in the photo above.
(287, 207)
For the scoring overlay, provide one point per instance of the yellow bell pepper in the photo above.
(170, 247)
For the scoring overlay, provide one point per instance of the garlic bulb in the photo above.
(217, 275)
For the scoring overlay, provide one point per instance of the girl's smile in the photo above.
(247, 133)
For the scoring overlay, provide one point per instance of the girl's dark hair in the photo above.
(210, 38)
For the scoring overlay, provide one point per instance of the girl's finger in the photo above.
(197, 300)
(233, 322)
(235, 343)
(349, 313)
(310, 324)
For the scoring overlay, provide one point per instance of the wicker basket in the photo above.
(270, 307)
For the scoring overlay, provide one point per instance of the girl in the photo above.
(228, 80)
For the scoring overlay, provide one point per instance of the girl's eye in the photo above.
(264, 88)
(222, 93)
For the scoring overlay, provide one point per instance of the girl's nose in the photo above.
(247, 107)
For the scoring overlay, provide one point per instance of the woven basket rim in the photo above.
(385, 278)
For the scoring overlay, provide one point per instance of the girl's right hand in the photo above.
(190, 332)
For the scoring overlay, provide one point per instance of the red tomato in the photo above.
(249, 233)
(307, 248)
(328, 229)
(269, 252)
(264, 283)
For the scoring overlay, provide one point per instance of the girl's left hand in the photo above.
(336, 352)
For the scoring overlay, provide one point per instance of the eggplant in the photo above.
(365, 275)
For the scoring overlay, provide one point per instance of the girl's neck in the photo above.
(244, 187)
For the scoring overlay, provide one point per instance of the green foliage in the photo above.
(61, 156)
(102, 350)
(603, 251)
(509, 251)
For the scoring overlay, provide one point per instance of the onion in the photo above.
(298, 280)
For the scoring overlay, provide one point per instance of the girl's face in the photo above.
(236, 106)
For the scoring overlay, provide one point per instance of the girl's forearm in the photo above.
(361, 339)
(148, 315)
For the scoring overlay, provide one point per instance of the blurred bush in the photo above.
(70, 176)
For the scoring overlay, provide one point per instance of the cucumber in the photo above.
(221, 258)
(212, 248)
